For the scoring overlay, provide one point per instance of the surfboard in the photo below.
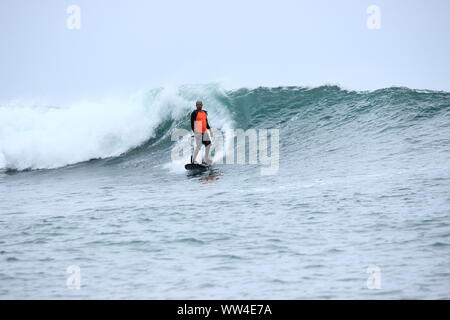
(196, 166)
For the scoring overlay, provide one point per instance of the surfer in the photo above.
(200, 126)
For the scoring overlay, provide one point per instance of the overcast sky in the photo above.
(127, 45)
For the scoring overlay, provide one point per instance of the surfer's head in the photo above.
(199, 105)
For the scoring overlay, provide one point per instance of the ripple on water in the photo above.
(223, 256)
(193, 241)
(439, 244)
(11, 259)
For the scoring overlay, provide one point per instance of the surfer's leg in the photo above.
(207, 159)
(207, 143)
(198, 146)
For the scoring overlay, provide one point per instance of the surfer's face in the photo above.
(199, 105)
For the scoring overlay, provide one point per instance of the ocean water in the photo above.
(358, 209)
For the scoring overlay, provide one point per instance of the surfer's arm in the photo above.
(207, 123)
(209, 128)
(193, 116)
